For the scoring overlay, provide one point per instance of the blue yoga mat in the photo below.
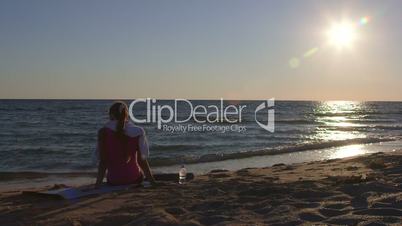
(70, 193)
(74, 193)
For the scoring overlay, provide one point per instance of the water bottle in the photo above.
(182, 175)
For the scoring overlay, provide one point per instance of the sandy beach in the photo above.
(156, 113)
(363, 190)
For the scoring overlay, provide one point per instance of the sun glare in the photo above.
(342, 34)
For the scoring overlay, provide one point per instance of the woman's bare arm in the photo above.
(145, 167)
(102, 162)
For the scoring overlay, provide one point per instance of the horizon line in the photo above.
(207, 99)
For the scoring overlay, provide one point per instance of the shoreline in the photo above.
(37, 179)
(353, 190)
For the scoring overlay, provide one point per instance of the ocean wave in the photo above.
(273, 151)
(169, 147)
(333, 114)
(27, 151)
(390, 127)
(296, 121)
(351, 128)
(365, 120)
(360, 127)
(384, 113)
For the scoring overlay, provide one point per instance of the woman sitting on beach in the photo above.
(122, 150)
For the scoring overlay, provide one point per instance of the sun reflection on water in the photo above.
(348, 151)
(335, 119)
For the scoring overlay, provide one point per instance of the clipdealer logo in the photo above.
(212, 117)
(269, 107)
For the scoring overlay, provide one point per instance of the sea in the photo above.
(61, 135)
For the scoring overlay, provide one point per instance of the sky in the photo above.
(209, 49)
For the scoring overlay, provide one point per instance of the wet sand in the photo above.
(363, 190)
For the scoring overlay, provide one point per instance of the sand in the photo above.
(364, 190)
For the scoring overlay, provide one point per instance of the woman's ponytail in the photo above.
(119, 112)
(121, 120)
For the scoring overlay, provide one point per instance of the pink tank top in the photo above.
(119, 171)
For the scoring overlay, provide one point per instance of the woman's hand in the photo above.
(102, 162)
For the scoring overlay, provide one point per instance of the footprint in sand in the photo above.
(380, 212)
(343, 221)
(337, 206)
(312, 217)
(211, 220)
(332, 212)
(175, 210)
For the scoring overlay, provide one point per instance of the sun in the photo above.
(342, 34)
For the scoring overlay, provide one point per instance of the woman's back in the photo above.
(121, 155)
(122, 150)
